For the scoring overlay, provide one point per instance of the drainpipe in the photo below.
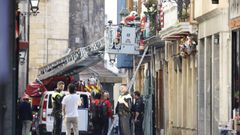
(28, 39)
(152, 91)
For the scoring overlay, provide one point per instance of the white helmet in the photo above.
(133, 13)
(92, 80)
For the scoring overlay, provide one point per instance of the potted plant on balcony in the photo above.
(151, 14)
(183, 10)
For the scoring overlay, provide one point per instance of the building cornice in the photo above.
(210, 14)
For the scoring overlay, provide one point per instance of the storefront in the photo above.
(234, 24)
(214, 71)
(235, 70)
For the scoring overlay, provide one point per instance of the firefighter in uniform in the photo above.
(57, 97)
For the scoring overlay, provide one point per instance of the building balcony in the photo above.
(178, 31)
(176, 20)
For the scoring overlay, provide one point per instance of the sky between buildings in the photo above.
(111, 10)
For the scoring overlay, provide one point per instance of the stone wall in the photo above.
(86, 22)
(48, 34)
(181, 93)
(214, 72)
(62, 24)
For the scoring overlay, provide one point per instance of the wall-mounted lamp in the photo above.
(112, 57)
(22, 55)
(34, 6)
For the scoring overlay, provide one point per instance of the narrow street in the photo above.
(120, 67)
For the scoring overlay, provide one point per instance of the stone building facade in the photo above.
(178, 93)
(48, 34)
(62, 26)
(214, 66)
(86, 22)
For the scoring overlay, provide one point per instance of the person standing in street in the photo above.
(70, 104)
(109, 112)
(138, 113)
(57, 97)
(97, 111)
(25, 115)
(123, 110)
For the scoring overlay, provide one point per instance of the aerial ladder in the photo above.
(75, 62)
(84, 57)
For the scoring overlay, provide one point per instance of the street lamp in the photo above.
(34, 6)
(112, 56)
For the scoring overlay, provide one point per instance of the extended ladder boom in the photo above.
(76, 59)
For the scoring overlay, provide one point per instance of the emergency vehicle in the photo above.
(63, 69)
(128, 37)
(44, 123)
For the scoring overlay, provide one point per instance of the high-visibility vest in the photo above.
(92, 88)
(56, 106)
(55, 94)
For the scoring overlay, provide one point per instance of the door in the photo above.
(49, 117)
(83, 112)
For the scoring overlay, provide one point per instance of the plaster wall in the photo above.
(181, 93)
(204, 6)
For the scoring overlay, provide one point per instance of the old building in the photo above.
(22, 35)
(214, 66)
(86, 22)
(178, 89)
(62, 26)
(48, 34)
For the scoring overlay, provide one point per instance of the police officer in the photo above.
(57, 97)
(138, 113)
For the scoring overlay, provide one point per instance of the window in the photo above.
(84, 99)
(50, 101)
